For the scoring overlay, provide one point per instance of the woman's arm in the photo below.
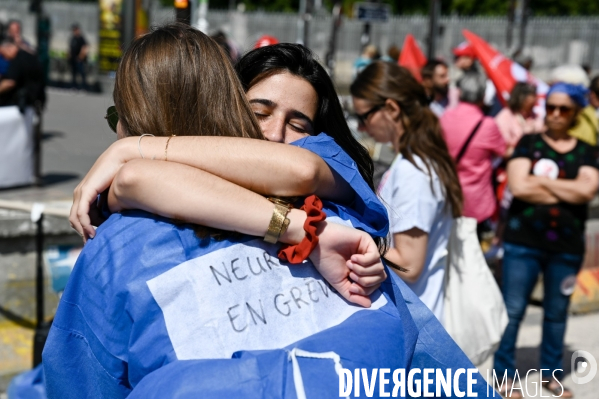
(577, 191)
(260, 166)
(156, 186)
(526, 187)
(409, 253)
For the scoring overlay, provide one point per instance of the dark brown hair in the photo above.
(428, 70)
(175, 80)
(519, 93)
(422, 135)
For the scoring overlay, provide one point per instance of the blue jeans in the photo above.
(521, 267)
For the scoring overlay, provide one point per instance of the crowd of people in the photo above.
(548, 158)
(176, 209)
(21, 78)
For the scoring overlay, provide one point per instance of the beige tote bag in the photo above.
(474, 312)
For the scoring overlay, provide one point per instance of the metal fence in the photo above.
(550, 41)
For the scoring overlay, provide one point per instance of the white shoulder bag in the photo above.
(474, 312)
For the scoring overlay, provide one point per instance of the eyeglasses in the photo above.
(562, 109)
(362, 118)
(112, 117)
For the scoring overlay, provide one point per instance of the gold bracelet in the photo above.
(279, 222)
(166, 147)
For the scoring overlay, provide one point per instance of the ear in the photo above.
(392, 109)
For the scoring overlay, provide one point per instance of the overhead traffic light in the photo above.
(183, 11)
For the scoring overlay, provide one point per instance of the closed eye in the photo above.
(300, 129)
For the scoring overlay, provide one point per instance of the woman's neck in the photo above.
(526, 115)
(560, 142)
(399, 131)
(558, 135)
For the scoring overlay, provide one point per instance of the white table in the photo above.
(16, 147)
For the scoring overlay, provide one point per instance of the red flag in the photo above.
(503, 72)
(266, 40)
(411, 57)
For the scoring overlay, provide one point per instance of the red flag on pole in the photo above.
(411, 57)
(503, 72)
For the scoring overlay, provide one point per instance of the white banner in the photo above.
(242, 298)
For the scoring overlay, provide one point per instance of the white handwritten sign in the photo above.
(242, 298)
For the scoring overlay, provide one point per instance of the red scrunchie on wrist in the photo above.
(300, 252)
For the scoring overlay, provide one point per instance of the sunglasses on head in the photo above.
(112, 117)
(562, 109)
(362, 118)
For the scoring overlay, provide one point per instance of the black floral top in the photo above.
(559, 227)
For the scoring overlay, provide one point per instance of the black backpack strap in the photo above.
(468, 140)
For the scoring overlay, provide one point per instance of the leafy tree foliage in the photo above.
(408, 7)
(564, 7)
(480, 7)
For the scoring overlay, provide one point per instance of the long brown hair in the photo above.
(175, 80)
(422, 135)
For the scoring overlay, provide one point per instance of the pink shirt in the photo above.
(474, 169)
(514, 126)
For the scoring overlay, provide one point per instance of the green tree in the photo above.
(409, 7)
(564, 7)
(479, 7)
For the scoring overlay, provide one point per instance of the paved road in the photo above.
(581, 334)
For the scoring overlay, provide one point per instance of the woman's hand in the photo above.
(97, 180)
(349, 260)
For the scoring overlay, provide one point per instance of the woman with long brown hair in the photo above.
(421, 189)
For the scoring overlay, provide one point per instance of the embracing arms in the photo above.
(183, 192)
(260, 166)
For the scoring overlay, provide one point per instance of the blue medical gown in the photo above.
(110, 332)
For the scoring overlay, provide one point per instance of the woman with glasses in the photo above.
(421, 189)
(553, 177)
